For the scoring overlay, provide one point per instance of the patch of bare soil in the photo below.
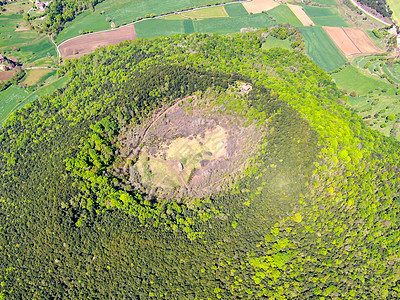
(5, 75)
(190, 149)
(88, 43)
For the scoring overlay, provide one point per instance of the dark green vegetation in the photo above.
(322, 49)
(379, 5)
(315, 213)
(325, 16)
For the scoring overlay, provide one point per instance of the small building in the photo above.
(41, 5)
(180, 166)
(245, 88)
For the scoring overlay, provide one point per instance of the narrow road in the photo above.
(369, 14)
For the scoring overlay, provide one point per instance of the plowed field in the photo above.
(88, 43)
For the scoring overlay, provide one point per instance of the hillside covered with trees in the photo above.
(379, 5)
(313, 212)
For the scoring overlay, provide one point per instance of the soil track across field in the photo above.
(88, 43)
(351, 41)
(258, 6)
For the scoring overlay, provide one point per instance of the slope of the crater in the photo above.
(313, 213)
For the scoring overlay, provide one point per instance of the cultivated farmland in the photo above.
(123, 12)
(208, 12)
(236, 10)
(160, 27)
(5, 75)
(284, 15)
(258, 6)
(9, 98)
(301, 15)
(35, 76)
(88, 43)
(230, 25)
(325, 16)
(321, 49)
(352, 41)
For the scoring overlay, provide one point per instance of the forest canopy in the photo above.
(312, 211)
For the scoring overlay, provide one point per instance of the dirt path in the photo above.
(157, 117)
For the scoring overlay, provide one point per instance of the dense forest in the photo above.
(314, 214)
(379, 5)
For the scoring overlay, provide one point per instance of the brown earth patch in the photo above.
(301, 15)
(189, 149)
(342, 41)
(258, 6)
(352, 41)
(88, 43)
(5, 75)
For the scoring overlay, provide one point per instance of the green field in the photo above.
(208, 12)
(15, 98)
(9, 98)
(272, 42)
(123, 12)
(321, 49)
(230, 25)
(325, 16)
(236, 10)
(284, 15)
(160, 27)
(353, 79)
(326, 2)
(28, 45)
(395, 7)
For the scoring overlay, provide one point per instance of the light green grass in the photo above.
(395, 7)
(236, 10)
(123, 12)
(353, 79)
(325, 16)
(175, 17)
(284, 15)
(33, 77)
(272, 42)
(321, 49)
(22, 98)
(375, 110)
(326, 2)
(159, 27)
(231, 25)
(377, 41)
(9, 98)
(87, 21)
(208, 12)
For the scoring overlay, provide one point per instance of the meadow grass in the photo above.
(208, 12)
(353, 79)
(9, 98)
(231, 25)
(236, 10)
(325, 16)
(321, 49)
(33, 77)
(395, 7)
(284, 15)
(272, 42)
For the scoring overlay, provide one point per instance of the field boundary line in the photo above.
(148, 18)
(351, 40)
